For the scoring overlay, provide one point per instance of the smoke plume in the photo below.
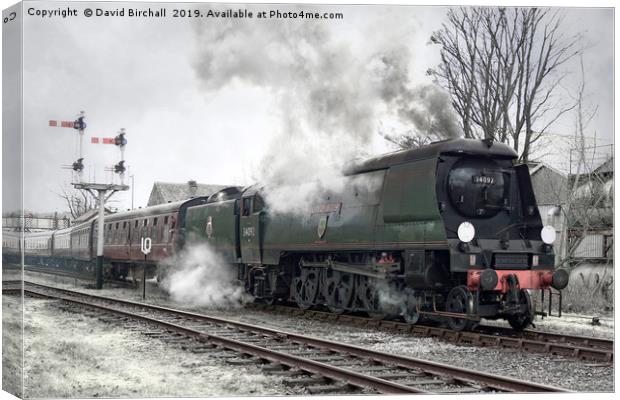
(199, 277)
(332, 93)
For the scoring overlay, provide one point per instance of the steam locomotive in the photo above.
(449, 231)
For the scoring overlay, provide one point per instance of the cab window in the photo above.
(247, 204)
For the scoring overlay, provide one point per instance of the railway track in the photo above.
(69, 274)
(312, 364)
(581, 347)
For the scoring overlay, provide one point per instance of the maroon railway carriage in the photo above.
(75, 248)
(123, 233)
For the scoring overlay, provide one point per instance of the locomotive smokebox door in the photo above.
(250, 227)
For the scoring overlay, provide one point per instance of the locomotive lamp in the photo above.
(466, 232)
(548, 234)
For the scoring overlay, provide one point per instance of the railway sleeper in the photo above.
(327, 358)
(395, 375)
(371, 368)
(306, 380)
(287, 372)
(350, 363)
(333, 388)
(422, 382)
(224, 354)
(460, 390)
(245, 361)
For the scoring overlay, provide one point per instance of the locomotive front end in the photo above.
(499, 249)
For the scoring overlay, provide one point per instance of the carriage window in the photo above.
(136, 224)
(166, 219)
(246, 206)
(116, 226)
(154, 221)
(144, 224)
(124, 224)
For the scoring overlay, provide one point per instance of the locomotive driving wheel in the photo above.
(458, 301)
(369, 296)
(338, 290)
(306, 288)
(522, 320)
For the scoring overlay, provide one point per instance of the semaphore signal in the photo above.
(78, 124)
(100, 191)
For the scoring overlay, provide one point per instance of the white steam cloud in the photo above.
(199, 277)
(332, 93)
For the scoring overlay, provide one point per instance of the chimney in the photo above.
(193, 186)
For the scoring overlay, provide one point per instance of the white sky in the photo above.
(139, 74)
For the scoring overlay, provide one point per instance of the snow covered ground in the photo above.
(72, 355)
(12, 346)
(551, 370)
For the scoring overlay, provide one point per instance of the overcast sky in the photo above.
(187, 121)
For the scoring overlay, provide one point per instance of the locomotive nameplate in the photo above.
(326, 208)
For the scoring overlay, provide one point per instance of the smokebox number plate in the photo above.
(484, 180)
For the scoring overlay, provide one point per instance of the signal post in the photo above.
(103, 190)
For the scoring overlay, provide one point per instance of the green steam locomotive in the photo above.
(449, 231)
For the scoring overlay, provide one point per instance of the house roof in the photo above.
(606, 167)
(550, 185)
(537, 166)
(165, 192)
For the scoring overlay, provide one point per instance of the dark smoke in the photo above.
(331, 97)
(426, 107)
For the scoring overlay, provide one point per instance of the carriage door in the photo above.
(250, 229)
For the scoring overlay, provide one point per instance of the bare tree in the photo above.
(78, 202)
(502, 68)
(585, 200)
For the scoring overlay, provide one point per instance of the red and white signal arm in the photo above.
(62, 124)
(105, 140)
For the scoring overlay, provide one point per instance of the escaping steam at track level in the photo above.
(331, 95)
(199, 277)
